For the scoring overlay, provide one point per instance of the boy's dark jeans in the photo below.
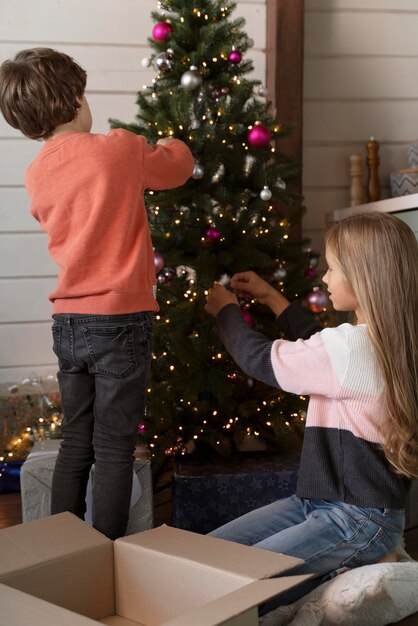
(104, 363)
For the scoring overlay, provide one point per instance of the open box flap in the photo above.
(213, 552)
(223, 609)
(60, 559)
(44, 540)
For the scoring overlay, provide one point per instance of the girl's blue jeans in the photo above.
(327, 535)
(104, 363)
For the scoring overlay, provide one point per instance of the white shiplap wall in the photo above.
(361, 64)
(109, 39)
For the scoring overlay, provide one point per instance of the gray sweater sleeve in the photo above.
(297, 323)
(250, 349)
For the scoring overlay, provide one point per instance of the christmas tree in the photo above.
(234, 214)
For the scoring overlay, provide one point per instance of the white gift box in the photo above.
(36, 480)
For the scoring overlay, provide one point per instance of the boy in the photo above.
(87, 192)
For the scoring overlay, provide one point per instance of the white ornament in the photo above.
(191, 79)
(281, 184)
(146, 62)
(265, 193)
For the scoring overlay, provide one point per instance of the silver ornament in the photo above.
(281, 184)
(162, 63)
(265, 193)
(262, 91)
(191, 79)
(280, 273)
(146, 62)
(198, 171)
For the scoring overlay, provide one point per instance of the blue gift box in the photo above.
(206, 496)
(10, 476)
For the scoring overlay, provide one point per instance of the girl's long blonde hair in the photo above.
(378, 254)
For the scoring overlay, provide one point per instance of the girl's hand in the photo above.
(250, 284)
(217, 298)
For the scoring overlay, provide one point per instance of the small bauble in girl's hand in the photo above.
(317, 301)
(259, 136)
(162, 31)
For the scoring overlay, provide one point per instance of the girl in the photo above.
(360, 446)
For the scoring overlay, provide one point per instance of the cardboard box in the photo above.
(58, 571)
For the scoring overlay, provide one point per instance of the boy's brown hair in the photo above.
(39, 89)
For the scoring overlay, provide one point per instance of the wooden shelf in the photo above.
(390, 205)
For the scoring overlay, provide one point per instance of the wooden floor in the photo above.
(11, 514)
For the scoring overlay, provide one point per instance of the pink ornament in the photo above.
(310, 272)
(213, 234)
(317, 301)
(247, 317)
(159, 261)
(162, 31)
(235, 57)
(259, 136)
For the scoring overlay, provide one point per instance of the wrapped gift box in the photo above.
(36, 482)
(207, 496)
(10, 476)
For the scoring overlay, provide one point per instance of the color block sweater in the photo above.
(87, 192)
(342, 457)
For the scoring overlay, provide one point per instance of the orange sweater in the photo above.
(87, 192)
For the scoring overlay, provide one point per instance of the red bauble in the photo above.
(235, 57)
(213, 234)
(310, 272)
(317, 301)
(162, 31)
(158, 261)
(259, 136)
(247, 317)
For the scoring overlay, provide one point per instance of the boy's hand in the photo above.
(217, 298)
(164, 140)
